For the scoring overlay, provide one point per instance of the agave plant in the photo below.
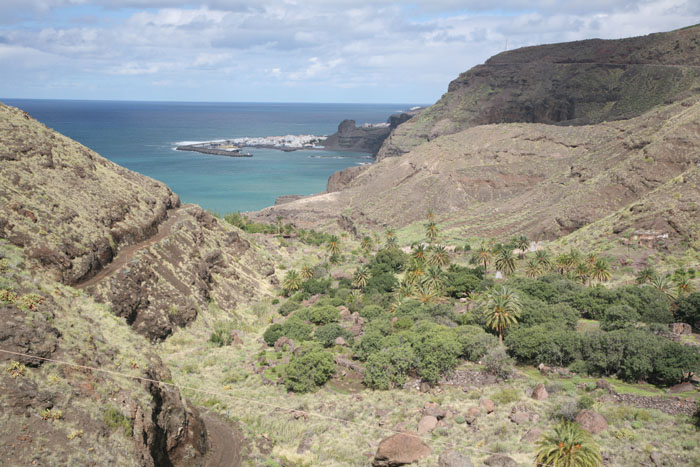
(568, 446)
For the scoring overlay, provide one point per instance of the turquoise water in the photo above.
(142, 135)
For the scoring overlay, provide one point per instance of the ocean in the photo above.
(142, 137)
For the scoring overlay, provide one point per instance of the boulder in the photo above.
(682, 387)
(519, 417)
(283, 342)
(472, 414)
(499, 460)
(340, 341)
(487, 405)
(540, 392)
(400, 449)
(427, 424)
(591, 421)
(454, 459)
(602, 384)
(313, 299)
(531, 436)
(431, 408)
(682, 329)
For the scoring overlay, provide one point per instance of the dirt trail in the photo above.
(125, 255)
(225, 442)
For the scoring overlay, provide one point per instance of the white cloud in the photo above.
(229, 46)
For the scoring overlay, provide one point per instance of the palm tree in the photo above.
(483, 255)
(405, 289)
(533, 268)
(522, 244)
(439, 256)
(366, 244)
(542, 258)
(575, 257)
(307, 272)
(582, 272)
(683, 285)
(568, 446)
(333, 247)
(505, 261)
(645, 275)
(662, 283)
(292, 281)
(424, 294)
(415, 272)
(390, 233)
(501, 309)
(601, 271)
(561, 263)
(360, 278)
(435, 279)
(418, 252)
(431, 232)
(391, 242)
(430, 214)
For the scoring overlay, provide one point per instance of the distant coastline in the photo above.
(214, 148)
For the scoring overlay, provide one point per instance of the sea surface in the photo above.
(142, 137)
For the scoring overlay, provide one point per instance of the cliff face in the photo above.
(122, 237)
(351, 138)
(574, 83)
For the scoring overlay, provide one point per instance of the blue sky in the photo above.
(289, 50)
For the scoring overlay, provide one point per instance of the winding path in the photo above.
(125, 255)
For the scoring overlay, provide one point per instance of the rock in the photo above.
(424, 387)
(400, 449)
(531, 436)
(427, 424)
(657, 459)
(602, 384)
(454, 459)
(544, 369)
(344, 312)
(682, 329)
(313, 299)
(499, 460)
(519, 417)
(431, 408)
(472, 414)
(487, 405)
(283, 342)
(682, 387)
(540, 392)
(340, 341)
(591, 421)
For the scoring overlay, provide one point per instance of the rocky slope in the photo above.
(60, 414)
(541, 180)
(121, 236)
(572, 83)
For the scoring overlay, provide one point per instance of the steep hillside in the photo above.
(495, 180)
(67, 414)
(573, 83)
(119, 235)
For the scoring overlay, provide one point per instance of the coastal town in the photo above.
(232, 147)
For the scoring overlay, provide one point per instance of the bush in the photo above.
(221, 335)
(534, 311)
(388, 367)
(475, 342)
(394, 258)
(316, 286)
(463, 281)
(309, 371)
(688, 310)
(370, 343)
(618, 317)
(327, 334)
(288, 307)
(498, 363)
(543, 344)
(585, 402)
(371, 311)
(437, 352)
(323, 314)
(272, 333)
(383, 282)
(294, 328)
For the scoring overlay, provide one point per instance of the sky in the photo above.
(370, 51)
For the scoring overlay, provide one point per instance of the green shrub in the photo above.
(272, 333)
(115, 419)
(585, 402)
(327, 334)
(388, 367)
(370, 343)
(309, 371)
(288, 307)
(323, 314)
(294, 328)
(316, 286)
(437, 351)
(544, 344)
(221, 335)
(618, 317)
(370, 312)
(498, 363)
(394, 258)
(475, 342)
(688, 310)
(381, 283)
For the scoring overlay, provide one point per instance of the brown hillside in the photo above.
(121, 236)
(574, 83)
(542, 180)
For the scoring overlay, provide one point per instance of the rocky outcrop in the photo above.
(573, 83)
(82, 412)
(349, 137)
(591, 421)
(121, 236)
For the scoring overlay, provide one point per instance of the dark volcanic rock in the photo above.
(360, 139)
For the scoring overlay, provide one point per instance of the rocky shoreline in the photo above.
(209, 148)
